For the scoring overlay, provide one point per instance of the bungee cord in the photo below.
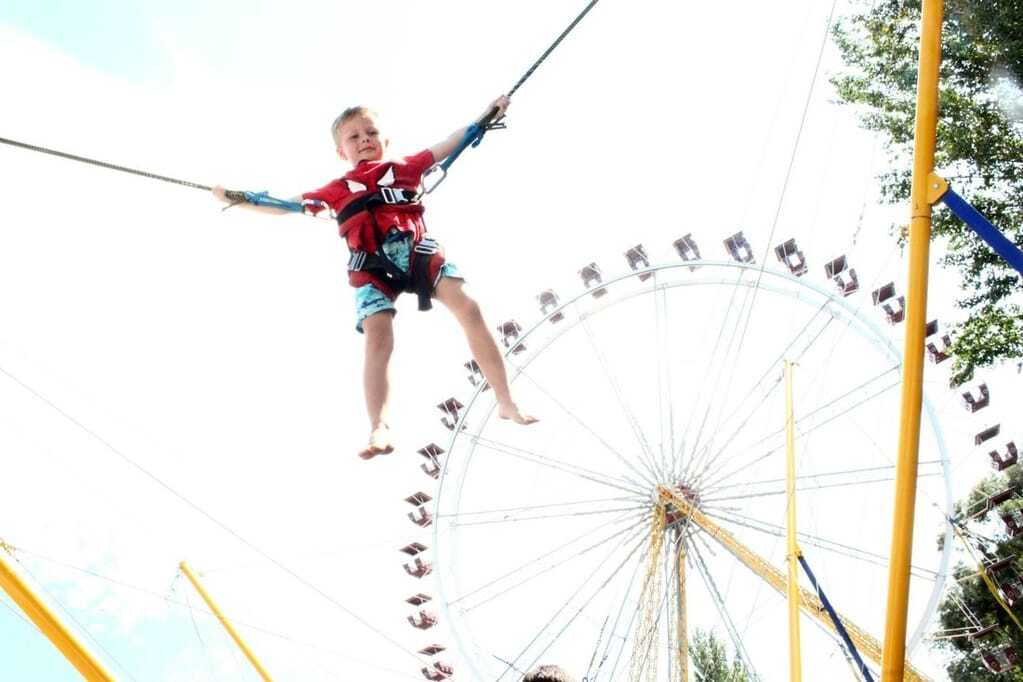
(475, 132)
(473, 136)
(104, 164)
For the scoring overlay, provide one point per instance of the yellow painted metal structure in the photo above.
(792, 555)
(683, 624)
(49, 624)
(809, 602)
(644, 654)
(225, 622)
(893, 665)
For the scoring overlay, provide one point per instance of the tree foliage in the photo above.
(710, 660)
(970, 595)
(979, 148)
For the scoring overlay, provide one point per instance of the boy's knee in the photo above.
(469, 310)
(379, 331)
(473, 312)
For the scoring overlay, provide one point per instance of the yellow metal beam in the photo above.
(792, 555)
(809, 602)
(49, 624)
(893, 666)
(683, 617)
(644, 653)
(225, 622)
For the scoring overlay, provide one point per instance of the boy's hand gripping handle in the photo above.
(473, 136)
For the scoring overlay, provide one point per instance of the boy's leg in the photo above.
(379, 332)
(484, 349)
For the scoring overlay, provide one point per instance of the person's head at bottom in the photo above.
(548, 673)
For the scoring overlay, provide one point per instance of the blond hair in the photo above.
(347, 114)
(548, 673)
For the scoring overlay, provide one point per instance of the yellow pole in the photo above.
(48, 623)
(225, 622)
(894, 657)
(683, 623)
(795, 661)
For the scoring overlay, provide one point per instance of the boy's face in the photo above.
(359, 139)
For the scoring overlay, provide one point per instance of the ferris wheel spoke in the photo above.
(804, 477)
(711, 459)
(614, 627)
(777, 361)
(547, 517)
(582, 608)
(805, 426)
(662, 370)
(810, 488)
(586, 550)
(647, 456)
(555, 464)
(560, 547)
(572, 598)
(483, 512)
(843, 549)
(647, 476)
(709, 401)
(722, 608)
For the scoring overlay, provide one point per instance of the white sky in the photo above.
(216, 349)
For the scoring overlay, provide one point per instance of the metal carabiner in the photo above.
(432, 170)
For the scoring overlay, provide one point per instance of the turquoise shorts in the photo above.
(369, 300)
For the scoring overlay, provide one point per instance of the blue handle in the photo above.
(473, 136)
(264, 199)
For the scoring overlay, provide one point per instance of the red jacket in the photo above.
(364, 230)
(359, 231)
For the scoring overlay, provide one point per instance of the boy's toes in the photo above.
(516, 415)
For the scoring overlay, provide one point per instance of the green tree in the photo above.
(979, 150)
(971, 594)
(710, 660)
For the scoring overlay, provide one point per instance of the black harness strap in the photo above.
(417, 280)
(384, 196)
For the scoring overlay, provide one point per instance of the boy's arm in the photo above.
(221, 193)
(443, 149)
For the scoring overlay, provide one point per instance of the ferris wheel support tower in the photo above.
(922, 198)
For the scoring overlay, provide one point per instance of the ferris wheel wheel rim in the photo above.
(852, 313)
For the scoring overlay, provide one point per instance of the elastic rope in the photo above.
(104, 164)
(550, 49)
(475, 132)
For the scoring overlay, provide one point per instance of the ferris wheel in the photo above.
(650, 500)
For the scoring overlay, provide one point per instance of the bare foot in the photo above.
(379, 443)
(511, 411)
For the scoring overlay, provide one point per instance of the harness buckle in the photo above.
(356, 261)
(391, 195)
(427, 246)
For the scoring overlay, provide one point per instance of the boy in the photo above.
(548, 673)
(377, 207)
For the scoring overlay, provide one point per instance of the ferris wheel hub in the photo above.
(675, 513)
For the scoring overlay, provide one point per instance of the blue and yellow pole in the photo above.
(894, 656)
